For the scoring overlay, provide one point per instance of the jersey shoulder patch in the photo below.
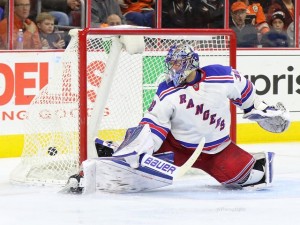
(217, 70)
(218, 74)
(165, 89)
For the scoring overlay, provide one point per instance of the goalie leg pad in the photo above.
(269, 167)
(117, 176)
(267, 179)
(89, 180)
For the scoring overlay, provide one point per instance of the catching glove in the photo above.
(275, 119)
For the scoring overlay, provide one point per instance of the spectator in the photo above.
(1, 13)
(256, 16)
(181, 14)
(112, 20)
(101, 9)
(216, 13)
(277, 37)
(177, 14)
(291, 33)
(61, 9)
(193, 14)
(138, 12)
(287, 7)
(298, 36)
(264, 4)
(49, 39)
(31, 39)
(2, 4)
(208, 13)
(246, 33)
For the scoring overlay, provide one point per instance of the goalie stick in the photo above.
(152, 173)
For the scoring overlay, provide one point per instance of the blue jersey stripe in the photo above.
(170, 91)
(208, 146)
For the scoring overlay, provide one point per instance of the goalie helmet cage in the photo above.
(102, 85)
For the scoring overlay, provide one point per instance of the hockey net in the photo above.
(102, 85)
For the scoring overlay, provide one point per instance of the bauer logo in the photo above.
(160, 165)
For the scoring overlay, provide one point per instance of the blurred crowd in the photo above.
(45, 23)
(263, 23)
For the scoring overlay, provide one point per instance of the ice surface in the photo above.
(194, 199)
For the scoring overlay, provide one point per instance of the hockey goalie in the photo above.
(189, 114)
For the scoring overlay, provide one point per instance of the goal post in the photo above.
(103, 84)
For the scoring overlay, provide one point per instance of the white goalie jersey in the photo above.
(200, 108)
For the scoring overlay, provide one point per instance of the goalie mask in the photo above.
(180, 61)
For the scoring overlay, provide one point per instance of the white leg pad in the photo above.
(89, 180)
(254, 177)
(117, 176)
(268, 171)
(269, 167)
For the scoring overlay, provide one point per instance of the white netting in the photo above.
(120, 86)
(53, 122)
